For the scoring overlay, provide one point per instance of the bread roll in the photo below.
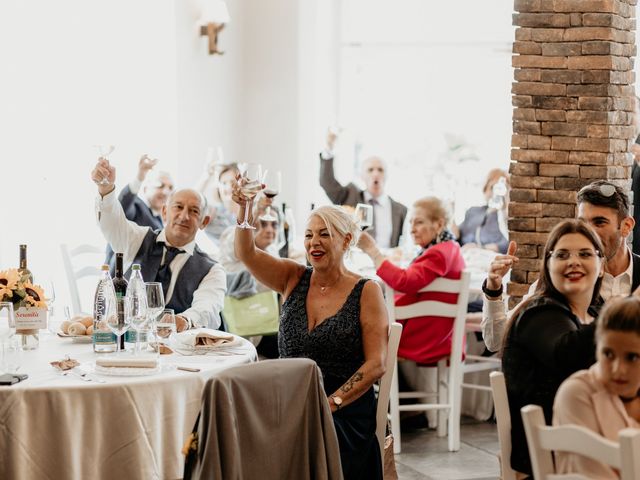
(64, 326)
(87, 321)
(77, 328)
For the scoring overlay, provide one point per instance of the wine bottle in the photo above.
(120, 287)
(104, 341)
(284, 251)
(24, 270)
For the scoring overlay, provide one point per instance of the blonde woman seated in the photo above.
(334, 317)
(605, 397)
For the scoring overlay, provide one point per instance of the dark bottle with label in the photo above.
(23, 270)
(120, 286)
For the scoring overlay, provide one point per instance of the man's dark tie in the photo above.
(164, 273)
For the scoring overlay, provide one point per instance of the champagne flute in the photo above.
(273, 185)
(251, 184)
(103, 152)
(364, 216)
(118, 324)
(135, 308)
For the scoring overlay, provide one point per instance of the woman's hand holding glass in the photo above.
(246, 188)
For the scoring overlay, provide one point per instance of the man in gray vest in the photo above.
(194, 284)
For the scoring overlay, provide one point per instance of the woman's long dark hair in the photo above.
(545, 287)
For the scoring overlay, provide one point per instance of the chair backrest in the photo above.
(542, 440)
(75, 272)
(395, 330)
(503, 419)
(457, 311)
(269, 419)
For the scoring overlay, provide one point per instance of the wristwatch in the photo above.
(337, 401)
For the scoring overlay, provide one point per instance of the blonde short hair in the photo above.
(338, 220)
(433, 207)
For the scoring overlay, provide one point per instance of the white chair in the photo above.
(395, 330)
(71, 259)
(503, 419)
(449, 378)
(542, 440)
(478, 363)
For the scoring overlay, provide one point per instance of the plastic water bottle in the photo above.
(104, 304)
(498, 194)
(137, 292)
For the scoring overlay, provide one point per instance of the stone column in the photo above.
(573, 118)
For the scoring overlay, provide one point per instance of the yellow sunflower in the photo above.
(8, 282)
(34, 295)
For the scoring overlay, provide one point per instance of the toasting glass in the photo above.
(364, 215)
(250, 185)
(103, 152)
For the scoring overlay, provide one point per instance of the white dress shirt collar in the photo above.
(621, 284)
(188, 248)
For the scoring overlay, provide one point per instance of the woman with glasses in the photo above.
(551, 334)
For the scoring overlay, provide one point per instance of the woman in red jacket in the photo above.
(424, 340)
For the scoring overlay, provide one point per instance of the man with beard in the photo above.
(605, 207)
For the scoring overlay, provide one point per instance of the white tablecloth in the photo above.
(55, 427)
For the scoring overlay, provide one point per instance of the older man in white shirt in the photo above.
(605, 207)
(193, 283)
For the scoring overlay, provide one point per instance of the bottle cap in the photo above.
(135, 266)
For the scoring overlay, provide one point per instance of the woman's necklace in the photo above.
(628, 399)
(323, 289)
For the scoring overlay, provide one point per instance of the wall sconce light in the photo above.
(213, 19)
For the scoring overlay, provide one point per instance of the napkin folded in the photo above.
(127, 362)
(203, 338)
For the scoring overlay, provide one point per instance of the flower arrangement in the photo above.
(20, 291)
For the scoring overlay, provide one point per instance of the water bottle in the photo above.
(104, 304)
(137, 291)
(498, 194)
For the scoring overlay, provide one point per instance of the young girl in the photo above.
(605, 397)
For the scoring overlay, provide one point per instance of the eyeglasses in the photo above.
(605, 189)
(564, 255)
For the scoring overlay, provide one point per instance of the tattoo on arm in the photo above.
(348, 386)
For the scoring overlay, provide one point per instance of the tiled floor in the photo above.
(425, 456)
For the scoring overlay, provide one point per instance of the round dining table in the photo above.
(96, 426)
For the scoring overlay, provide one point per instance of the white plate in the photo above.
(129, 371)
(77, 338)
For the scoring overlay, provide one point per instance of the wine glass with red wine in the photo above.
(273, 185)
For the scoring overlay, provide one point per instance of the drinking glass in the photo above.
(117, 323)
(273, 184)
(135, 309)
(103, 152)
(155, 299)
(7, 321)
(11, 356)
(364, 216)
(250, 185)
(166, 326)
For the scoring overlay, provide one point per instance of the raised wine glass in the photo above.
(273, 185)
(103, 152)
(364, 216)
(250, 185)
(118, 324)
